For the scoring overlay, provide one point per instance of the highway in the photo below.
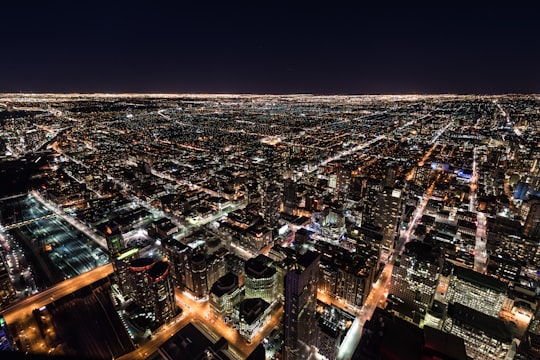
(23, 308)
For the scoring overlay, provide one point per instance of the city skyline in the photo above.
(262, 227)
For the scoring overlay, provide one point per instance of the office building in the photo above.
(178, 255)
(225, 294)
(289, 196)
(415, 276)
(300, 322)
(216, 266)
(485, 337)
(152, 289)
(270, 204)
(253, 315)
(477, 291)
(532, 223)
(115, 240)
(261, 281)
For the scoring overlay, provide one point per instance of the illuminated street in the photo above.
(24, 308)
(183, 190)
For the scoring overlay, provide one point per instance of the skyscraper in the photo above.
(532, 223)
(152, 288)
(300, 323)
(414, 279)
(161, 287)
(289, 196)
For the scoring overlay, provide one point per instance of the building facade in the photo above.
(300, 322)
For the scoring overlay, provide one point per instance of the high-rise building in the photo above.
(390, 176)
(139, 281)
(152, 288)
(385, 213)
(346, 275)
(162, 290)
(415, 276)
(261, 281)
(121, 270)
(114, 238)
(532, 223)
(270, 204)
(196, 273)
(289, 196)
(300, 322)
(179, 255)
(216, 266)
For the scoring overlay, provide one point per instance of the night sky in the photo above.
(88, 46)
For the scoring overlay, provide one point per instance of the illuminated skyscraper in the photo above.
(152, 288)
(414, 279)
(300, 323)
(162, 292)
(261, 281)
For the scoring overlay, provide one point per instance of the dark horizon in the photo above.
(141, 48)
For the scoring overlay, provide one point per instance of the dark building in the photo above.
(529, 348)
(191, 344)
(532, 223)
(300, 322)
(289, 196)
(178, 255)
(386, 337)
(196, 275)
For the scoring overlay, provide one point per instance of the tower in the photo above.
(152, 288)
(300, 322)
(162, 290)
(289, 196)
